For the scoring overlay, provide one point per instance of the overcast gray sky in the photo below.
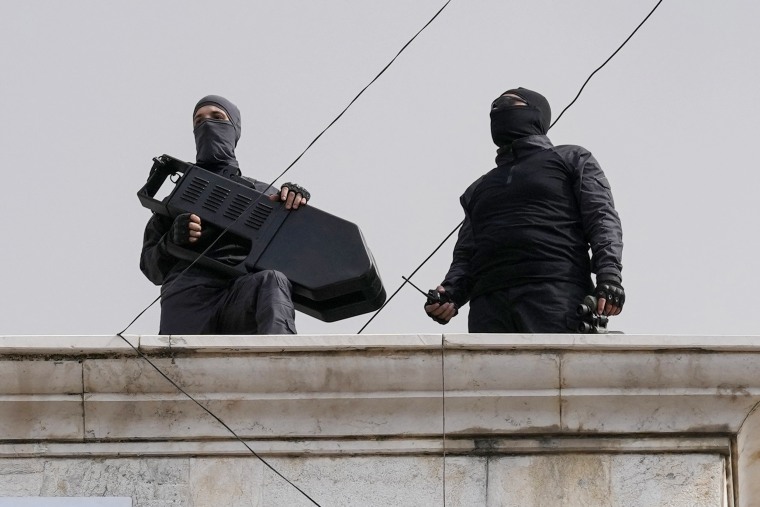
(91, 91)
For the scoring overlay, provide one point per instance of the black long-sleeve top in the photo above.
(534, 218)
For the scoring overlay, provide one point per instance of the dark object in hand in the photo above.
(433, 297)
(591, 323)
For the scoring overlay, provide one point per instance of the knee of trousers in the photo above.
(273, 278)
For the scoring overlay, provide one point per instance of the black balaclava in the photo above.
(510, 122)
(215, 140)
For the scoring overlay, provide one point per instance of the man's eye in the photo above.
(508, 101)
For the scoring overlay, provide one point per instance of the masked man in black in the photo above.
(202, 301)
(521, 258)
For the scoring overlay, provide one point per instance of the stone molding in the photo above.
(299, 387)
(384, 395)
(384, 447)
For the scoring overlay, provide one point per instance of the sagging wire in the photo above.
(144, 357)
(605, 63)
(406, 279)
(204, 252)
(217, 418)
(550, 126)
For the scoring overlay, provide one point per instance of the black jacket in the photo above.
(533, 218)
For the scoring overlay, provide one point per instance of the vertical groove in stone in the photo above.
(443, 412)
(488, 462)
(560, 356)
(82, 393)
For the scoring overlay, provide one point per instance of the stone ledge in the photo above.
(66, 345)
(165, 345)
(602, 342)
(584, 399)
(288, 343)
(386, 447)
(385, 386)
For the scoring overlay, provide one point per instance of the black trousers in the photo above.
(543, 307)
(256, 303)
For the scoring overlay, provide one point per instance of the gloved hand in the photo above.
(185, 230)
(292, 195)
(439, 306)
(610, 297)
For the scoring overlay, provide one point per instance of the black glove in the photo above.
(179, 234)
(610, 290)
(298, 189)
(438, 297)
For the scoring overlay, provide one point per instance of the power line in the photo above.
(382, 71)
(177, 386)
(364, 89)
(219, 420)
(605, 63)
(550, 126)
(406, 279)
(229, 429)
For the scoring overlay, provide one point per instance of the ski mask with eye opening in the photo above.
(215, 140)
(511, 121)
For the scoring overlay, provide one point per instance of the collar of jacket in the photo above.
(522, 147)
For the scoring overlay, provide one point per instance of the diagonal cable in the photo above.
(605, 63)
(219, 420)
(555, 121)
(406, 279)
(204, 252)
(185, 393)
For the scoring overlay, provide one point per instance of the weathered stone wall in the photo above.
(568, 480)
(529, 420)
